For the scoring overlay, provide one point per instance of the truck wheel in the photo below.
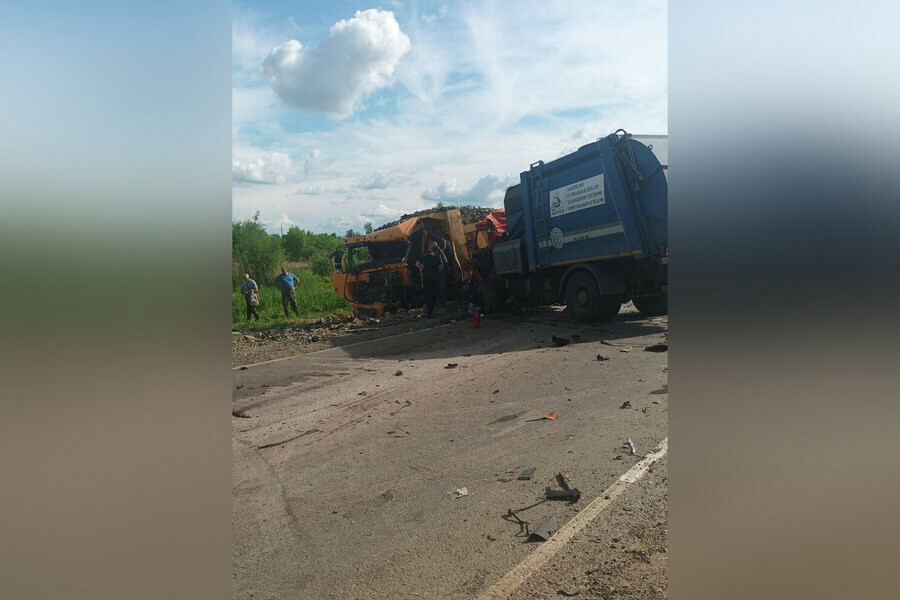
(609, 308)
(653, 306)
(585, 302)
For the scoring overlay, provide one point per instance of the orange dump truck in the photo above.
(377, 272)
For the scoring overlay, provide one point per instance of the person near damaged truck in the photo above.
(251, 296)
(288, 282)
(432, 269)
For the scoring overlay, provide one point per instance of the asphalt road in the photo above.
(345, 471)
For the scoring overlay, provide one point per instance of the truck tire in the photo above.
(653, 306)
(586, 303)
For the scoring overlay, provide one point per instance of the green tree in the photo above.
(368, 227)
(254, 251)
(294, 242)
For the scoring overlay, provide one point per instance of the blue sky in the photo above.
(348, 112)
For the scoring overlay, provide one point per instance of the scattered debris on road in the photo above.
(626, 404)
(551, 417)
(398, 373)
(451, 365)
(625, 349)
(656, 401)
(243, 368)
(307, 432)
(546, 530)
(657, 348)
(568, 492)
(568, 592)
(526, 474)
(630, 445)
(601, 358)
(461, 492)
(240, 414)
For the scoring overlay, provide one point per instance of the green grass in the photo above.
(315, 299)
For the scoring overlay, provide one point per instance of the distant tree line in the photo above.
(260, 253)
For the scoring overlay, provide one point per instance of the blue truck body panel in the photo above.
(606, 200)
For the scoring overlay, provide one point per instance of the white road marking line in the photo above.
(534, 561)
(265, 362)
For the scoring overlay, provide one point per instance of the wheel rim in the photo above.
(583, 297)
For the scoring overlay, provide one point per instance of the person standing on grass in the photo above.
(432, 269)
(251, 296)
(288, 282)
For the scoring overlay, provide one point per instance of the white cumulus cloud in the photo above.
(267, 167)
(382, 213)
(487, 191)
(358, 58)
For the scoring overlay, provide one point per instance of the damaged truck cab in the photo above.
(377, 272)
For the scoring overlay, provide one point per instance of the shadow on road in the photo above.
(504, 333)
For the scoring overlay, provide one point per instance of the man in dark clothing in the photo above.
(251, 296)
(438, 251)
(288, 282)
(432, 270)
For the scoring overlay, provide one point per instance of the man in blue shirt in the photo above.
(288, 282)
(251, 296)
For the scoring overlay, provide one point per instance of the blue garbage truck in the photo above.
(589, 229)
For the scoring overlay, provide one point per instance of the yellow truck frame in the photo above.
(387, 278)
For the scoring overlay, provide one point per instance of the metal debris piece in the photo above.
(657, 348)
(461, 492)
(240, 414)
(624, 349)
(523, 525)
(626, 404)
(564, 482)
(546, 530)
(601, 358)
(551, 417)
(527, 474)
(630, 445)
(398, 373)
(243, 368)
(451, 365)
(572, 495)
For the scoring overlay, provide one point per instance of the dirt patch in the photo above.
(259, 346)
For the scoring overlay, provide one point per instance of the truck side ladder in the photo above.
(540, 214)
